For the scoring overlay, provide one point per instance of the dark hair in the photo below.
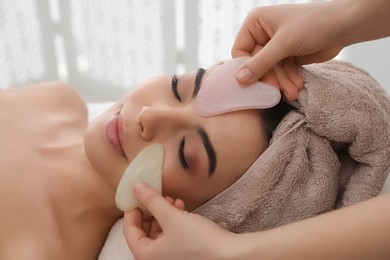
(271, 117)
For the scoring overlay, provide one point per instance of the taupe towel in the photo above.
(332, 152)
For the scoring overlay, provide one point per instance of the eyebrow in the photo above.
(209, 149)
(197, 81)
(201, 131)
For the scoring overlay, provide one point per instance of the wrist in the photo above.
(362, 20)
(342, 19)
(246, 246)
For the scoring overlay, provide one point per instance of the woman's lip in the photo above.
(115, 134)
(122, 133)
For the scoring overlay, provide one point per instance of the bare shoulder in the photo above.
(54, 95)
(53, 91)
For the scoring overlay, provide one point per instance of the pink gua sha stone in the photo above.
(222, 93)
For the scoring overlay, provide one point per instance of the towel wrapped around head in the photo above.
(333, 151)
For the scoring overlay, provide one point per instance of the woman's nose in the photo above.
(158, 121)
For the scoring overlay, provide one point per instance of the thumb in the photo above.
(262, 62)
(154, 202)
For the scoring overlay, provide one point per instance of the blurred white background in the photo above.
(105, 47)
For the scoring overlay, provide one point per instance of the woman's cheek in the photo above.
(169, 176)
(176, 182)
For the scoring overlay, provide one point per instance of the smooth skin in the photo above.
(275, 36)
(281, 36)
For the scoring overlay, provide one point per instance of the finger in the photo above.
(291, 70)
(179, 204)
(133, 218)
(271, 78)
(263, 61)
(250, 33)
(161, 209)
(244, 43)
(134, 234)
(256, 49)
(287, 87)
(170, 200)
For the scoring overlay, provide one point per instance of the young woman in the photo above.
(357, 232)
(59, 174)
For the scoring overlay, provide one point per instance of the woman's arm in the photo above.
(364, 20)
(361, 231)
(356, 232)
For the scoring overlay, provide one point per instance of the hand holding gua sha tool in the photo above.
(221, 92)
(146, 167)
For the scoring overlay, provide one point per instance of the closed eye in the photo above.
(182, 158)
(174, 87)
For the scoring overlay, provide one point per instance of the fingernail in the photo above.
(244, 75)
(139, 187)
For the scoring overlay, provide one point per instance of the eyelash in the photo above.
(174, 87)
(182, 158)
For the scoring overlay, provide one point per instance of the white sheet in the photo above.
(95, 109)
(115, 246)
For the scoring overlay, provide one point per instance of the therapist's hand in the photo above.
(172, 233)
(286, 35)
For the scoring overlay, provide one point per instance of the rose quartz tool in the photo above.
(221, 92)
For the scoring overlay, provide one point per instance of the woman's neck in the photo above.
(83, 203)
(86, 189)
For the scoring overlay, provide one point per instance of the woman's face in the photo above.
(202, 156)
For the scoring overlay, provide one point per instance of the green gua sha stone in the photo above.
(145, 167)
(222, 93)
